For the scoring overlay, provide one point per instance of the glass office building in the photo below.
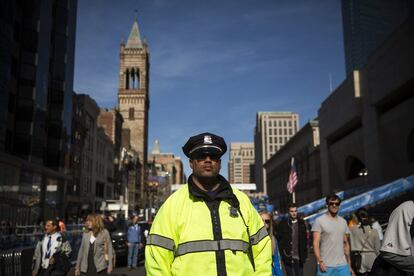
(366, 24)
(36, 82)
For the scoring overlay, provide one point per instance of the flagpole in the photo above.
(292, 161)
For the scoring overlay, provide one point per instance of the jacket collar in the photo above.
(224, 191)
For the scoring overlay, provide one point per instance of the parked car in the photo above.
(145, 228)
(119, 240)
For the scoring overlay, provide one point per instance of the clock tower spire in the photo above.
(133, 102)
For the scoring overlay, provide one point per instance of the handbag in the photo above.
(356, 257)
(106, 255)
(356, 260)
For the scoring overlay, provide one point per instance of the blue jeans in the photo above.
(133, 255)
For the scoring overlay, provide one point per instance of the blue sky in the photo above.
(214, 64)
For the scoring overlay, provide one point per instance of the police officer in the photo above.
(207, 227)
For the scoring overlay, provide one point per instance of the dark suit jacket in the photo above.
(284, 238)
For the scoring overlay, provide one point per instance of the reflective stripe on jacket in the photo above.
(181, 240)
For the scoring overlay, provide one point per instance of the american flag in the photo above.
(293, 178)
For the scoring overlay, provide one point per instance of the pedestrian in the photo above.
(365, 244)
(207, 227)
(62, 224)
(134, 242)
(397, 250)
(377, 226)
(353, 221)
(292, 237)
(276, 265)
(308, 234)
(330, 241)
(95, 256)
(109, 223)
(52, 252)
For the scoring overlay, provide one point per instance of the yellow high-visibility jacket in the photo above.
(181, 240)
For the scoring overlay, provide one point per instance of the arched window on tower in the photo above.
(131, 113)
(132, 79)
(127, 79)
(355, 168)
(410, 146)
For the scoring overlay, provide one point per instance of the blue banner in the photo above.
(375, 196)
(315, 205)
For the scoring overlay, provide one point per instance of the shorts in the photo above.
(342, 270)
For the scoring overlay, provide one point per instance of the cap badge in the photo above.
(207, 139)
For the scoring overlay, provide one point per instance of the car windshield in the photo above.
(121, 224)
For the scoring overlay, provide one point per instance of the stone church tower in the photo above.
(133, 101)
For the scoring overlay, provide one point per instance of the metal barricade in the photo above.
(7, 258)
(17, 248)
(16, 262)
(6, 262)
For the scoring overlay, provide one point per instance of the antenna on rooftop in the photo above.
(330, 82)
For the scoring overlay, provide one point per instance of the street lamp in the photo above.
(152, 186)
(123, 173)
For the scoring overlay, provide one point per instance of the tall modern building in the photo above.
(133, 97)
(36, 82)
(241, 163)
(272, 131)
(366, 24)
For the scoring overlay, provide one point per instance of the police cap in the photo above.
(205, 143)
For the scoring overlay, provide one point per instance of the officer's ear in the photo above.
(190, 161)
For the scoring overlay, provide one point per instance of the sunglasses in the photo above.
(267, 221)
(334, 203)
(203, 156)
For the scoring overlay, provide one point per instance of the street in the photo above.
(309, 269)
(122, 271)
